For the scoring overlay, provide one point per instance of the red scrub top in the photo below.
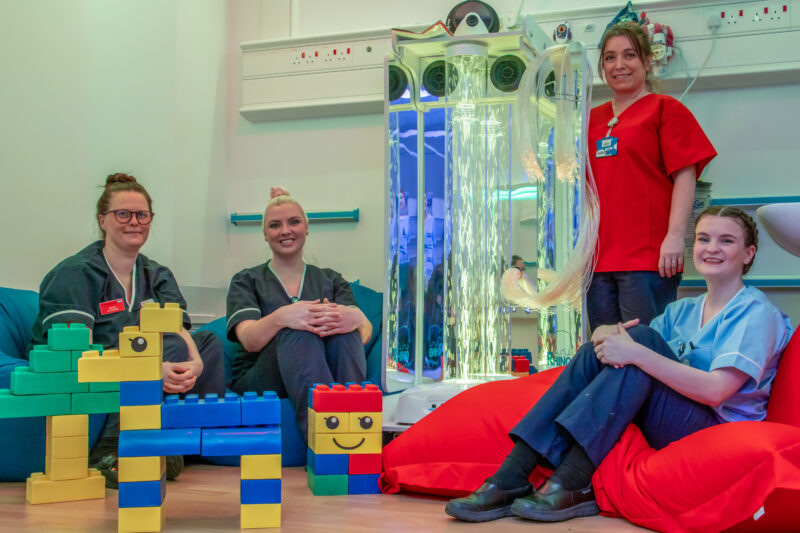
(657, 136)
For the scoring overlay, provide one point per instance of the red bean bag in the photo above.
(741, 476)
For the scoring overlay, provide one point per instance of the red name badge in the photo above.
(112, 306)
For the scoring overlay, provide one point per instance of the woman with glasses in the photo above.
(104, 285)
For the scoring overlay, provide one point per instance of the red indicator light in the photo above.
(348, 50)
(741, 12)
(334, 51)
(316, 54)
(766, 10)
(722, 15)
(303, 55)
(784, 9)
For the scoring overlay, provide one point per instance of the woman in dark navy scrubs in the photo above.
(296, 324)
(104, 286)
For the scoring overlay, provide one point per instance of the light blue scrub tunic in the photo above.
(748, 334)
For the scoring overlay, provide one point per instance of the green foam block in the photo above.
(104, 386)
(95, 402)
(23, 382)
(330, 485)
(42, 359)
(37, 405)
(64, 337)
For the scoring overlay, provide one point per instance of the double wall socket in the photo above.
(751, 17)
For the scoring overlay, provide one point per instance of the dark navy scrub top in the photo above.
(257, 292)
(76, 289)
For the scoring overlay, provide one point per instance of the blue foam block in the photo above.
(363, 484)
(328, 464)
(192, 412)
(241, 441)
(156, 442)
(260, 491)
(142, 493)
(140, 392)
(261, 410)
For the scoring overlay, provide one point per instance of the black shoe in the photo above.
(552, 503)
(489, 502)
(174, 466)
(108, 467)
(104, 459)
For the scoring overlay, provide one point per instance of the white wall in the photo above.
(94, 87)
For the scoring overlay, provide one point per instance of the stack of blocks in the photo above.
(344, 439)
(50, 387)
(520, 366)
(211, 426)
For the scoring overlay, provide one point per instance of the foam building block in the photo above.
(265, 466)
(260, 515)
(141, 468)
(345, 439)
(39, 489)
(111, 367)
(90, 403)
(12, 406)
(68, 337)
(155, 442)
(241, 441)
(192, 411)
(139, 417)
(141, 392)
(167, 319)
(141, 519)
(67, 426)
(260, 410)
(42, 359)
(142, 493)
(24, 381)
(136, 343)
(260, 491)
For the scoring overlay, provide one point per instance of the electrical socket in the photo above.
(749, 17)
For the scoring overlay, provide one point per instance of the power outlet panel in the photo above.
(751, 17)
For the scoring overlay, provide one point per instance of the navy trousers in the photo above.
(621, 296)
(294, 360)
(211, 381)
(591, 404)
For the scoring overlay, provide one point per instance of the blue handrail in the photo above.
(313, 216)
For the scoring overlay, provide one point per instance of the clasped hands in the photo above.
(181, 377)
(614, 346)
(323, 318)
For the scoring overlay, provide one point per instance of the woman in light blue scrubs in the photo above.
(705, 361)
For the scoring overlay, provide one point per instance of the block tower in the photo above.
(49, 387)
(209, 426)
(344, 439)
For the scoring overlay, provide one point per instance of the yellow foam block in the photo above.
(261, 466)
(139, 417)
(168, 319)
(366, 422)
(67, 425)
(345, 443)
(63, 469)
(143, 519)
(67, 447)
(140, 468)
(135, 343)
(255, 515)
(112, 367)
(39, 489)
(328, 422)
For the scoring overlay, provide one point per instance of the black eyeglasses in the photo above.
(123, 216)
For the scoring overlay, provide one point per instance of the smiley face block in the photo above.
(344, 423)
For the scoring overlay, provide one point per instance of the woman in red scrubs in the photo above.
(646, 152)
